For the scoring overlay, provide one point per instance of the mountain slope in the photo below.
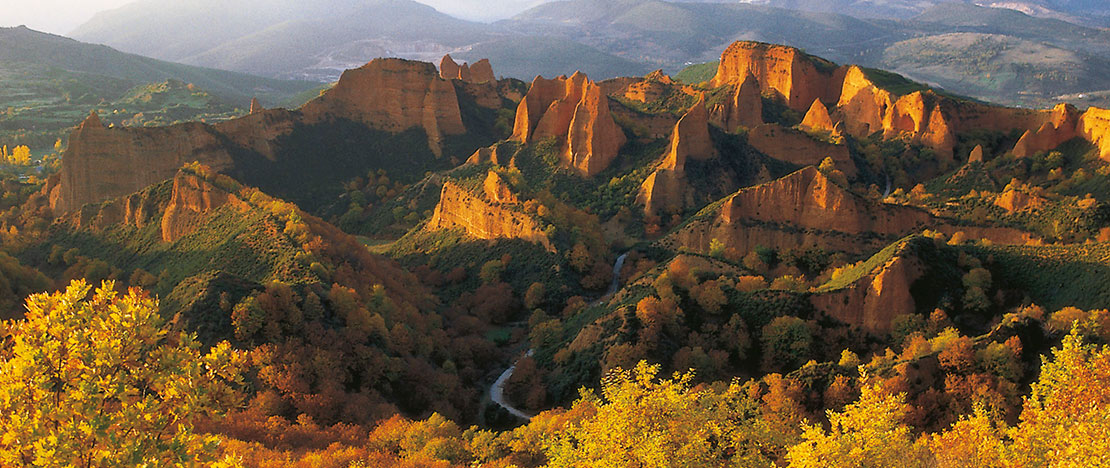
(50, 83)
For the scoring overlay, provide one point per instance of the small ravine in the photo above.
(497, 390)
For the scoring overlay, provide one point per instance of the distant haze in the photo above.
(53, 16)
(62, 16)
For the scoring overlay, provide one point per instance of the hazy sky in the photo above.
(61, 16)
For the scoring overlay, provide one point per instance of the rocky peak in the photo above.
(458, 208)
(480, 72)
(1095, 127)
(576, 111)
(256, 107)
(91, 122)
(818, 119)
(497, 190)
(743, 109)
(690, 138)
(782, 70)
(193, 197)
(976, 154)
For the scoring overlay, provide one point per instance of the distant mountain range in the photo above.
(1027, 53)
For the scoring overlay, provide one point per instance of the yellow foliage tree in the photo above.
(99, 382)
(641, 421)
(21, 156)
(870, 433)
(1066, 419)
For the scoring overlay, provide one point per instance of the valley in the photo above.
(551, 255)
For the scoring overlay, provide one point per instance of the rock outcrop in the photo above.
(393, 95)
(458, 208)
(491, 155)
(498, 191)
(876, 299)
(387, 94)
(664, 190)
(1018, 200)
(743, 109)
(690, 138)
(480, 72)
(804, 208)
(575, 111)
(976, 154)
(256, 106)
(782, 70)
(652, 88)
(817, 119)
(192, 200)
(795, 147)
(1063, 127)
(103, 163)
(1095, 127)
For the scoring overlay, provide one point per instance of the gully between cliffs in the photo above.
(497, 390)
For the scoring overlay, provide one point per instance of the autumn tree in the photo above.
(100, 382)
(1066, 419)
(870, 432)
(642, 421)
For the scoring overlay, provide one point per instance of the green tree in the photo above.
(99, 382)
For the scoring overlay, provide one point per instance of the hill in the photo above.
(50, 83)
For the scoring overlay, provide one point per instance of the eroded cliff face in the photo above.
(1095, 127)
(103, 163)
(743, 109)
(802, 209)
(458, 208)
(875, 300)
(665, 189)
(393, 95)
(1063, 126)
(388, 94)
(787, 144)
(192, 200)
(782, 70)
(575, 111)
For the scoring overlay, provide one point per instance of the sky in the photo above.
(62, 16)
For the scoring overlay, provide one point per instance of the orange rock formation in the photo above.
(1017, 200)
(460, 209)
(1095, 127)
(874, 301)
(480, 72)
(102, 163)
(786, 71)
(387, 94)
(818, 119)
(576, 111)
(393, 95)
(664, 190)
(1063, 127)
(976, 154)
(192, 199)
(787, 144)
(804, 208)
(497, 190)
(743, 109)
